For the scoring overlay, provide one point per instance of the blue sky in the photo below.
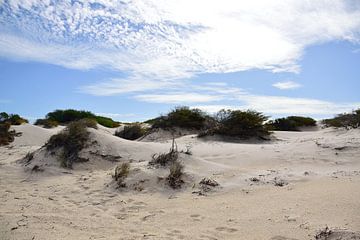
(133, 60)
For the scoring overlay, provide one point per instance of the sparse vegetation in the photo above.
(12, 119)
(175, 176)
(121, 173)
(70, 115)
(164, 159)
(239, 124)
(6, 136)
(345, 120)
(182, 117)
(131, 132)
(292, 123)
(71, 141)
(46, 123)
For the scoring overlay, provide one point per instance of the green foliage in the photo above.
(346, 120)
(46, 123)
(121, 173)
(70, 115)
(71, 140)
(107, 122)
(6, 136)
(131, 132)
(292, 123)
(182, 117)
(12, 119)
(240, 124)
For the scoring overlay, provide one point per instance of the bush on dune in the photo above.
(70, 115)
(46, 123)
(12, 119)
(6, 136)
(182, 117)
(71, 141)
(346, 120)
(239, 124)
(131, 132)
(292, 123)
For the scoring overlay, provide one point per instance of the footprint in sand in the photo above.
(196, 217)
(226, 229)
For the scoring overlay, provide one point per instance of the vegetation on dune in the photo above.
(239, 124)
(292, 123)
(345, 120)
(182, 117)
(12, 119)
(71, 141)
(70, 115)
(121, 173)
(164, 159)
(46, 123)
(6, 136)
(131, 132)
(174, 178)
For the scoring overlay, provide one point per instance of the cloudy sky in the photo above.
(132, 60)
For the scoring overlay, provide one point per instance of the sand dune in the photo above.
(287, 188)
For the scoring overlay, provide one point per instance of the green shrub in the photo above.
(121, 173)
(6, 136)
(292, 123)
(71, 140)
(70, 115)
(46, 123)
(107, 122)
(12, 119)
(131, 132)
(346, 120)
(174, 178)
(182, 117)
(240, 124)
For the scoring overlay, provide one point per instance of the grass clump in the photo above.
(239, 124)
(6, 136)
(174, 178)
(345, 120)
(182, 117)
(292, 123)
(70, 115)
(131, 132)
(71, 140)
(164, 159)
(121, 173)
(12, 119)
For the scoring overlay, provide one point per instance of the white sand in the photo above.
(84, 204)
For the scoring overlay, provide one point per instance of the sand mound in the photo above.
(32, 135)
(162, 135)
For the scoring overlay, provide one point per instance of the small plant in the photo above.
(175, 176)
(324, 234)
(121, 173)
(131, 132)
(164, 159)
(71, 140)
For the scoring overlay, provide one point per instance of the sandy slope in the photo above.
(320, 170)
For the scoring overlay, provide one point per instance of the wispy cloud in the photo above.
(178, 98)
(171, 39)
(287, 85)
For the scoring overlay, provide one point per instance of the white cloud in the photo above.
(178, 98)
(287, 85)
(169, 39)
(117, 115)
